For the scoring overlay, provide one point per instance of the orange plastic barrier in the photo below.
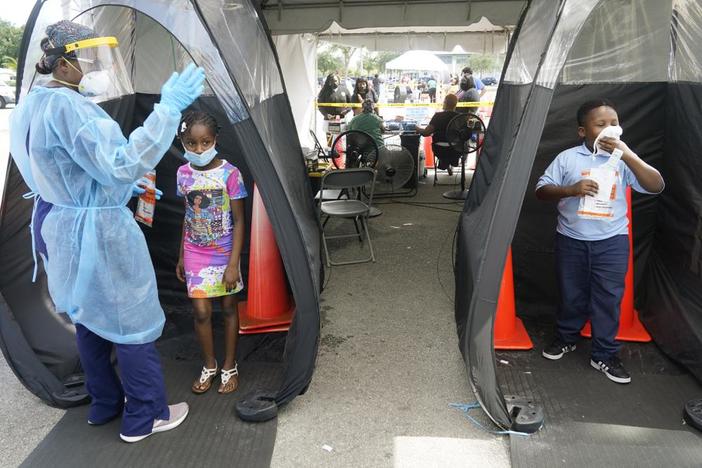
(509, 329)
(428, 153)
(268, 307)
(630, 327)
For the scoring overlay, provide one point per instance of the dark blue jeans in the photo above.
(591, 280)
(142, 382)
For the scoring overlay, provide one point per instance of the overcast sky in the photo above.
(16, 11)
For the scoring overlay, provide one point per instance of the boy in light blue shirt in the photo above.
(592, 247)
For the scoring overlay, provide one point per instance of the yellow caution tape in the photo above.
(409, 104)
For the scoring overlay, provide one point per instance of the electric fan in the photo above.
(395, 168)
(354, 148)
(465, 133)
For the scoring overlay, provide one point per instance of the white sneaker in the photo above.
(179, 412)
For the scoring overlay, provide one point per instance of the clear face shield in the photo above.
(104, 75)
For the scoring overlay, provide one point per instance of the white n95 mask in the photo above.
(613, 131)
(94, 83)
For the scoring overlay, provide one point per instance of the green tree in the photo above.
(385, 57)
(482, 63)
(375, 62)
(327, 62)
(345, 52)
(9, 62)
(10, 38)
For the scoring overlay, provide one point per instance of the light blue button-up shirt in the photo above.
(567, 169)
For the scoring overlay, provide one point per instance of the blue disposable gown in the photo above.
(74, 155)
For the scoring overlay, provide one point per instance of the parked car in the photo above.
(489, 80)
(7, 94)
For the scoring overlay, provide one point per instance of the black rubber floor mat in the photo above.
(212, 436)
(589, 445)
(591, 421)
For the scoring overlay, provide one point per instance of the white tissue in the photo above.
(613, 131)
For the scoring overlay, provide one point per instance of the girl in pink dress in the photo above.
(213, 235)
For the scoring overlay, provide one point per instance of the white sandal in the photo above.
(226, 376)
(205, 381)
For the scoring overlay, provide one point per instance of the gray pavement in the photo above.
(389, 364)
(387, 369)
(24, 419)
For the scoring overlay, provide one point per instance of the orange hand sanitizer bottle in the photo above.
(147, 201)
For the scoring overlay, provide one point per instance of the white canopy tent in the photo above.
(481, 37)
(297, 54)
(314, 16)
(398, 25)
(417, 60)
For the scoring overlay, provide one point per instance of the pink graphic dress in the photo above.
(209, 226)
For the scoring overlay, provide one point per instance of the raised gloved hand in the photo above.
(140, 186)
(183, 88)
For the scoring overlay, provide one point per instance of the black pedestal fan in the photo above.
(465, 133)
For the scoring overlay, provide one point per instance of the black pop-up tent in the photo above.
(246, 93)
(639, 52)
(644, 56)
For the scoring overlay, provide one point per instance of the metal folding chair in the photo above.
(352, 181)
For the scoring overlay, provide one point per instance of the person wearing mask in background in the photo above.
(81, 170)
(467, 93)
(333, 92)
(479, 85)
(362, 92)
(452, 86)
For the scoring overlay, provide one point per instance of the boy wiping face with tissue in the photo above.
(592, 246)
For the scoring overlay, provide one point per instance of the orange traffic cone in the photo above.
(268, 307)
(630, 327)
(428, 153)
(509, 329)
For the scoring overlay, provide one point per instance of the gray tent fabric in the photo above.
(295, 16)
(245, 84)
(561, 50)
(588, 49)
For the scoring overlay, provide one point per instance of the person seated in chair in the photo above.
(369, 122)
(446, 155)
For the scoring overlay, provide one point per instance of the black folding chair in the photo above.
(351, 180)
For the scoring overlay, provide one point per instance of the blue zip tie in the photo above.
(469, 406)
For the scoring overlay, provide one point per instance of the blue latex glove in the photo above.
(183, 88)
(140, 185)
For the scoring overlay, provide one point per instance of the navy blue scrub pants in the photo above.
(591, 280)
(141, 383)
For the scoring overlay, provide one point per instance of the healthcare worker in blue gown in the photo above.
(81, 170)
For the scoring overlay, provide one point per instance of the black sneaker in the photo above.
(613, 369)
(557, 349)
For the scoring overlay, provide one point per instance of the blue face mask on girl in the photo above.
(202, 159)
